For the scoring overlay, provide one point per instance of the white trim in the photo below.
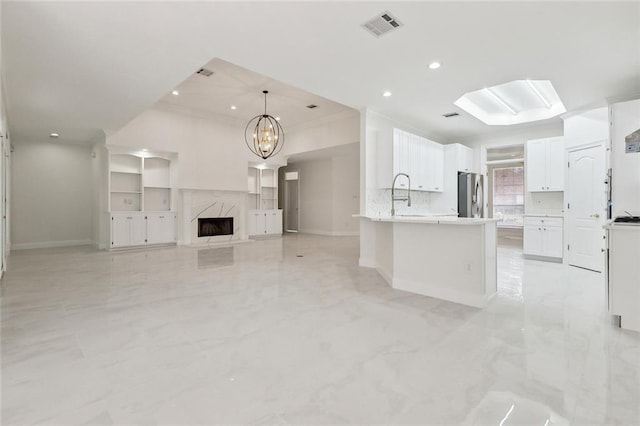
(51, 244)
(475, 300)
(366, 263)
(330, 233)
(386, 275)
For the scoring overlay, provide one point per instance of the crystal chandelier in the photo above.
(264, 135)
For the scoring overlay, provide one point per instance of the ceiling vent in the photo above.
(205, 72)
(312, 106)
(382, 24)
(450, 114)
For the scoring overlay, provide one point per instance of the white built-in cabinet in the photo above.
(421, 159)
(544, 164)
(161, 227)
(128, 229)
(464, 158)
(263, 188)
(140, 200)
(266, 219)
(543, 236)
(264, 222)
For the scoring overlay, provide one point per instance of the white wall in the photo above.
(212, 153)
(625, 119)
(341, 129)
(329, 193)
(51, 187)
(586, 127)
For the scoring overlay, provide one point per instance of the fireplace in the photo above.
(214, 226)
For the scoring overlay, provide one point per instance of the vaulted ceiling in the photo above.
(78, 67)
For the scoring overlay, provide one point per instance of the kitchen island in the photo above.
(448, 258)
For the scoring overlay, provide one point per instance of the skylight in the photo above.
(515, 102)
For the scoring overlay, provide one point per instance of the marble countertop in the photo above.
(431, 219)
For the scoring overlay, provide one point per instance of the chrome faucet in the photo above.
(393, 194)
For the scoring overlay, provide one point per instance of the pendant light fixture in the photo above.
(264, 135)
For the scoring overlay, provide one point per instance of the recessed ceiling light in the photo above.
(386, 93)
(434, 65)
(233, 107)
(54, 135)
(175, 93)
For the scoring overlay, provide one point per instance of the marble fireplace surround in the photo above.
(199, 203)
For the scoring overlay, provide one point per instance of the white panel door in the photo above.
(154, 228)
(586, 206)
(535, 166)
(120, 230)
(555, 165)
(138, 229)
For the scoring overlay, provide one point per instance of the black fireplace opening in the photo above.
(213, 226)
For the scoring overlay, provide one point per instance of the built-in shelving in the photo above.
(262, 188)
(141, 198)
(139, 183)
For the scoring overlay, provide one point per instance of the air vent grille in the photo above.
(312, 106)
(205, 72)
(382, 24)
(450, 114)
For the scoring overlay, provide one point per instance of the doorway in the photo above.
(586, 206)
(505, 191)
(292, 200)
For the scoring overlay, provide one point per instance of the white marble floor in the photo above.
(255, 334)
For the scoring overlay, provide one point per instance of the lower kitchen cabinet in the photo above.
(132, 229)
(264, 222)
(543, 236)
(623, 274)
(161, 227)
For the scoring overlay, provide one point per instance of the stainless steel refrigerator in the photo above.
(470, 195)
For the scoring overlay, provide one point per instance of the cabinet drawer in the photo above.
(542, 221)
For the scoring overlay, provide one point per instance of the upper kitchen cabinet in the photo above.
(420, 158)
(544, 165)
(464, 158)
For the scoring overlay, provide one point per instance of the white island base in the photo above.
(452, 259)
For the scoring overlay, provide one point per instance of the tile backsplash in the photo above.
(379, 202)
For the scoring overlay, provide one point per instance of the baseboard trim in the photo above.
(366, 263)
(330, 233)
(51, 244)
(474, 300)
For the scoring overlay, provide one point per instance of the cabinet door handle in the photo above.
(437, 187)
(539, 229)
(543, 187)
